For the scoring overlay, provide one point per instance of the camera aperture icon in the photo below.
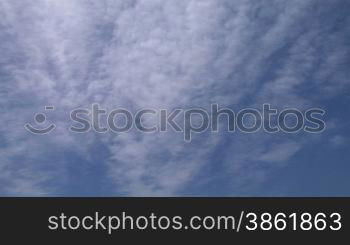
(40, 118)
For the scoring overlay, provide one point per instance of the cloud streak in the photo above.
(159, 54)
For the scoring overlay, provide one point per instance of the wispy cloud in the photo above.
(159, 54)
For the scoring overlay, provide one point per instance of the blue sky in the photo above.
(169, 54)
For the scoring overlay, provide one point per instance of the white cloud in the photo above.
(280, 153)
(338, 141)
(160, 54)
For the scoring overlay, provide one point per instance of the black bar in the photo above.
(27, 219)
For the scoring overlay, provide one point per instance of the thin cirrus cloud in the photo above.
(163, 55)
